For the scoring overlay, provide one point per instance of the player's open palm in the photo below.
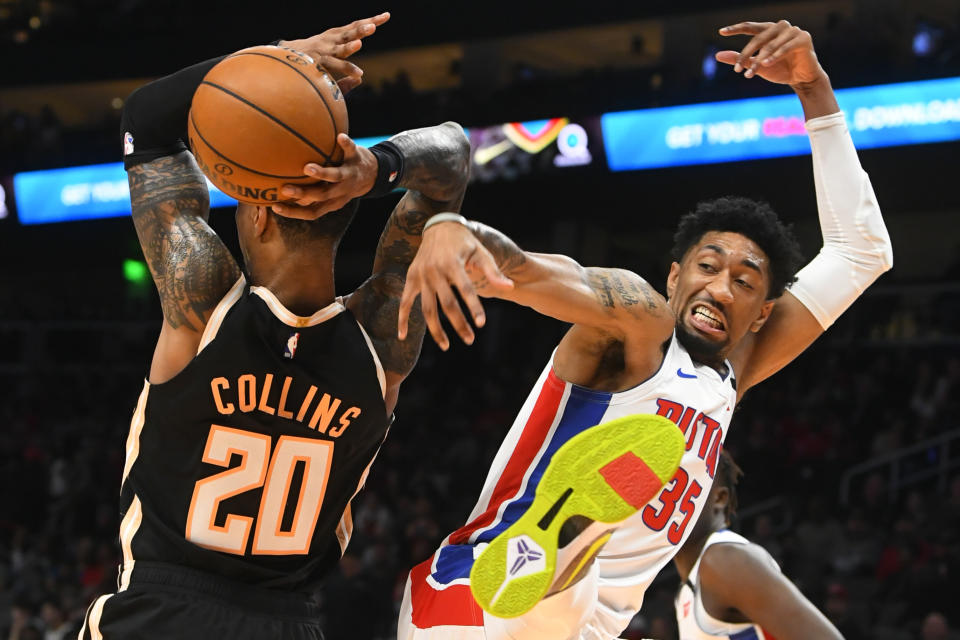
(449, 257)
(778, 52)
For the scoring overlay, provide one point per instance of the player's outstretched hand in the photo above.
(778, 52)
(332, 48)
(450, 256)
(337, 185)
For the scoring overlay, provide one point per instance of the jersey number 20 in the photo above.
(259, 469)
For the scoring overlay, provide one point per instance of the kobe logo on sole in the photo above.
(524, 557)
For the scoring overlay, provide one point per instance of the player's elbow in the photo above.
(459, 156)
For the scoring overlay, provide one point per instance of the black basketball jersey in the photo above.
(245, 463)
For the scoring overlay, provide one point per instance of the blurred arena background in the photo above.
(852, 455)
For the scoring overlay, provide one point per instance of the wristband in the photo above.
(389, 169)
(445, 217)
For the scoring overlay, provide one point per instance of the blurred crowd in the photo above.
(879, 558)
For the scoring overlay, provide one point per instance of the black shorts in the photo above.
(174, 602)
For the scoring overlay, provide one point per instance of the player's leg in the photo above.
(595, 481)
(437, 605)
(613, 469)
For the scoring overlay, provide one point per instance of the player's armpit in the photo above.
(191, 267)
(789, 330)
(739, 582)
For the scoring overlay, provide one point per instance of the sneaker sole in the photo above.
(605, 473)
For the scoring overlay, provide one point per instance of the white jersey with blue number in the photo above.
(694, 396)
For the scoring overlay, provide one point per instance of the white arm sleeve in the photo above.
(856, 245)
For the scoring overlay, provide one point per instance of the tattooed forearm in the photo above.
(617, 288)
(436, 163)
(377, 312)
(436, 171)
(190, 265)
(401, 236)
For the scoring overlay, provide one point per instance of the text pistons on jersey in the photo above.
(693, 423)
(257, 393)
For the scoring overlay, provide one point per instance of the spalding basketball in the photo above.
(259, 116)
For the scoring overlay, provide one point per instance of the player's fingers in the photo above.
(411, 290)
(763, 53)
(288, 210)
(727, 57)
(327, 174)
(756, 42)
(381, 18)
(306, 195)
(747, 28)
(796, 40)
(353, 31)
(428, 306)
(349, 83)
(470, 297)
(346, 49)
(347, 144)
(483, 260)
(451, 308)
(340, 68)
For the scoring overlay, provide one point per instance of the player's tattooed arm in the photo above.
(436, 171)
(479, 260)
(617, 288)
(191, 267)
(613, 289)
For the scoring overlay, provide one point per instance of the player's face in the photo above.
(719, 291)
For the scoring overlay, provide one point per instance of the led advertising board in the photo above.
(878, 116)
(92, 191)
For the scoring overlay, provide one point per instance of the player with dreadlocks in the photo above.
(731, 587)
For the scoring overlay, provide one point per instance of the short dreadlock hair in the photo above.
(750, 218)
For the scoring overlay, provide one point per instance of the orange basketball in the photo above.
(259, 116)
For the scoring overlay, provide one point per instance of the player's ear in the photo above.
(672, 278)
(765, 311)
(721, 498)
(260, 217)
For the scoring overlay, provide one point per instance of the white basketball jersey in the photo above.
(692, 618)
(694, 396)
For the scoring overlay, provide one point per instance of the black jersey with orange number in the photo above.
(244, 464)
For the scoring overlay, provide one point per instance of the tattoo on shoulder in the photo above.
(614, 287)
(191, 267)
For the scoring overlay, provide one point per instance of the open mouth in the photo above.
(707, 320)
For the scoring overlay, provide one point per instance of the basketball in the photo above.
(259, 116)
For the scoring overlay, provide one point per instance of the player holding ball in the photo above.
(268, 396)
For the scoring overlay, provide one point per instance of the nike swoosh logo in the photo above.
(685, 375)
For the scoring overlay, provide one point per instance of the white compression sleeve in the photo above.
(856, 245)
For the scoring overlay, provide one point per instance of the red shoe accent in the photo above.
(632, 479)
